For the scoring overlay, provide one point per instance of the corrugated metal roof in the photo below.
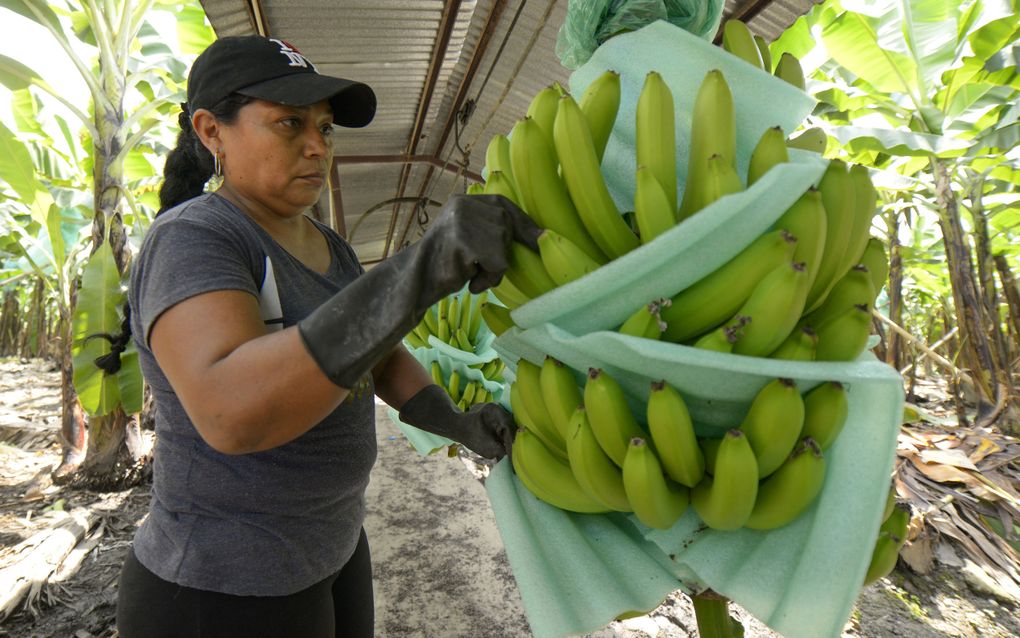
(494, 55)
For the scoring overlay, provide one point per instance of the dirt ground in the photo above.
(440, 568)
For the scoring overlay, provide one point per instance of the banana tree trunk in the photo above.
(976, 351)
(894, 347)
(10, 323)
(986, 278)
(1012, 294)
(113, 451)
(73, 427)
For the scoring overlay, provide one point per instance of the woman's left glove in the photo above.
(486, 429)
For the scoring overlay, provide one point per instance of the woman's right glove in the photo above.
(469, 242)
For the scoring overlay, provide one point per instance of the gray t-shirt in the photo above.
(268, 523)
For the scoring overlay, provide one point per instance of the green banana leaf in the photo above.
(46, 17)
(193, 30)
(902, 143)
(99, 298)
(130, 381)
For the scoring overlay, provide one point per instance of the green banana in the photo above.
(799, 346)
(600, 103)
(865, 203)
(474, 188)
(725, 500)
(493, 369)
(585, 183)
(549, 477)
(806, 220)
(453, 316)
(773, 423)
(542, 109)
(788, 68)
(652, 209)
(788, 492)
(672, 430)
(453, 386)
(499, 184)
(722, 338)
(475, 318)
(774, 307)
(468, 395)
(657, 501)
(845, 336)
(415, 341)
(562, 259)
(877, 262)
(496, 317)
(738, 40)
(721, 179)
(560, 393)
(525, 422)
(529, 378)
(431, 319)
(595, 472)
(813, 139)
(444, 329)
(655, 141)
(855, 288)
(437, 374)
(507, 293)
(713, 132)
(609, 414)
(768, 152)
(497, 156)
(463, 342)
(646, 322)
(898, 521)
(766, 54)
(716, 297)
(883, 557)
(838, 198)
(890, 503)
(526, 271)
(542, 191)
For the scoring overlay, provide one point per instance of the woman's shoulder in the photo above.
(208, 209)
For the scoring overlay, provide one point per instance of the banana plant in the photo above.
(135, 82)
(926, 92)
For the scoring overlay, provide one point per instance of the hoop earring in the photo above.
(217, 167)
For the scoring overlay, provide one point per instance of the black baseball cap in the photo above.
(274, 70)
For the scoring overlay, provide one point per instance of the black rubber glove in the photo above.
(486, 429)
(470, 241)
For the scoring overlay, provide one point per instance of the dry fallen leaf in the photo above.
(947, 457)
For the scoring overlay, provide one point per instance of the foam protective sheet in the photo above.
(801, 580)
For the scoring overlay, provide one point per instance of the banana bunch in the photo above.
(586, 450)
(455, 320)
(466, 392)
(803, 290)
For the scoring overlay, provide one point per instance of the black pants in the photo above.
(341, 605)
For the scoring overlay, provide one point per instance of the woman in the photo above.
(264, 341)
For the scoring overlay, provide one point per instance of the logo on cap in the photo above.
(296, 57)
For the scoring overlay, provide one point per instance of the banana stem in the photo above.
(713, 615)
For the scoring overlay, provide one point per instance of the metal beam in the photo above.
(339, 222)
(407, 159)
(258, 17)
(446, 24)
